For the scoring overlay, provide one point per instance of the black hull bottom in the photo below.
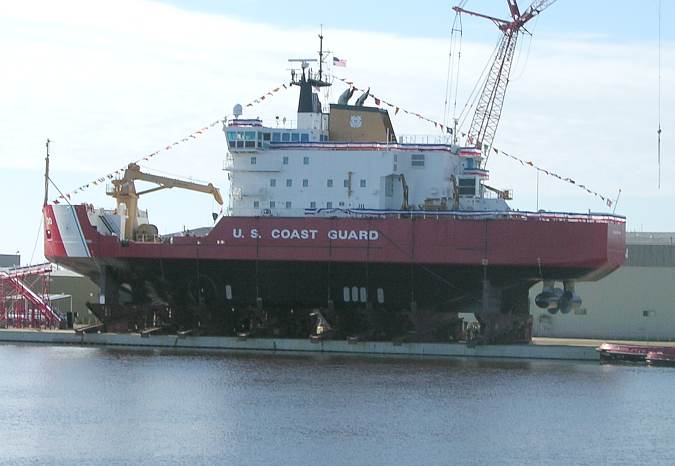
(321, 300)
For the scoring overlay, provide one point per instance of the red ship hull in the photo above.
(430, 262)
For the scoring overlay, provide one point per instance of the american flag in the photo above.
(338, 62)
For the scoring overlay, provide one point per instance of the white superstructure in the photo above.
(297, 172)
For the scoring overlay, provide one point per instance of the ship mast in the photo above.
(44, 204)
(321, 54)
(489, 107)
(308, 80)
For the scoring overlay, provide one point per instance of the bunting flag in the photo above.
(486, 149)
(192, 136)
(605, 199)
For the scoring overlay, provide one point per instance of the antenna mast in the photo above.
(46, 175)
(321, 53)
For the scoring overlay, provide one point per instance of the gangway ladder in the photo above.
(14, 280)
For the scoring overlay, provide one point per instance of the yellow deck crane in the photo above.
(124, 192)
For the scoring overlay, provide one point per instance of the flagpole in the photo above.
(616, 201)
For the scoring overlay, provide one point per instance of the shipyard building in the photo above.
(9, 260)
(636, 302)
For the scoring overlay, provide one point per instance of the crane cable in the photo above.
(448, 79)
(480, 82)
(527, 54)
(459, 58)
(453, 68)
(658, 132)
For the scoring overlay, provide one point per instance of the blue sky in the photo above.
(111, 82)
(618, 20)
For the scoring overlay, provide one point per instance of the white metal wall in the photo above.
(251, 182)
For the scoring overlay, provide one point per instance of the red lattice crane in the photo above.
(489, 106)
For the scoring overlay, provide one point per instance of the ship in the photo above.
(336, 228)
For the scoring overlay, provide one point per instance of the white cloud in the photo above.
(111, 82)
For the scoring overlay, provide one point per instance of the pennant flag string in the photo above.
(194, 135)
(605, 199)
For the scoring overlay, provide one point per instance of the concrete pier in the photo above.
(538, 350)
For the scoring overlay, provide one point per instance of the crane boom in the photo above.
(131, 174)
(489, 107)
(124, 192)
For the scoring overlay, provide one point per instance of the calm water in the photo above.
(63, 405)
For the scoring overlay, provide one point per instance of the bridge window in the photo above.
(232, 139)
(304, 137)
(249, 139)
(295, 137)
(285, 137)
(266, 137)
(276, 137)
